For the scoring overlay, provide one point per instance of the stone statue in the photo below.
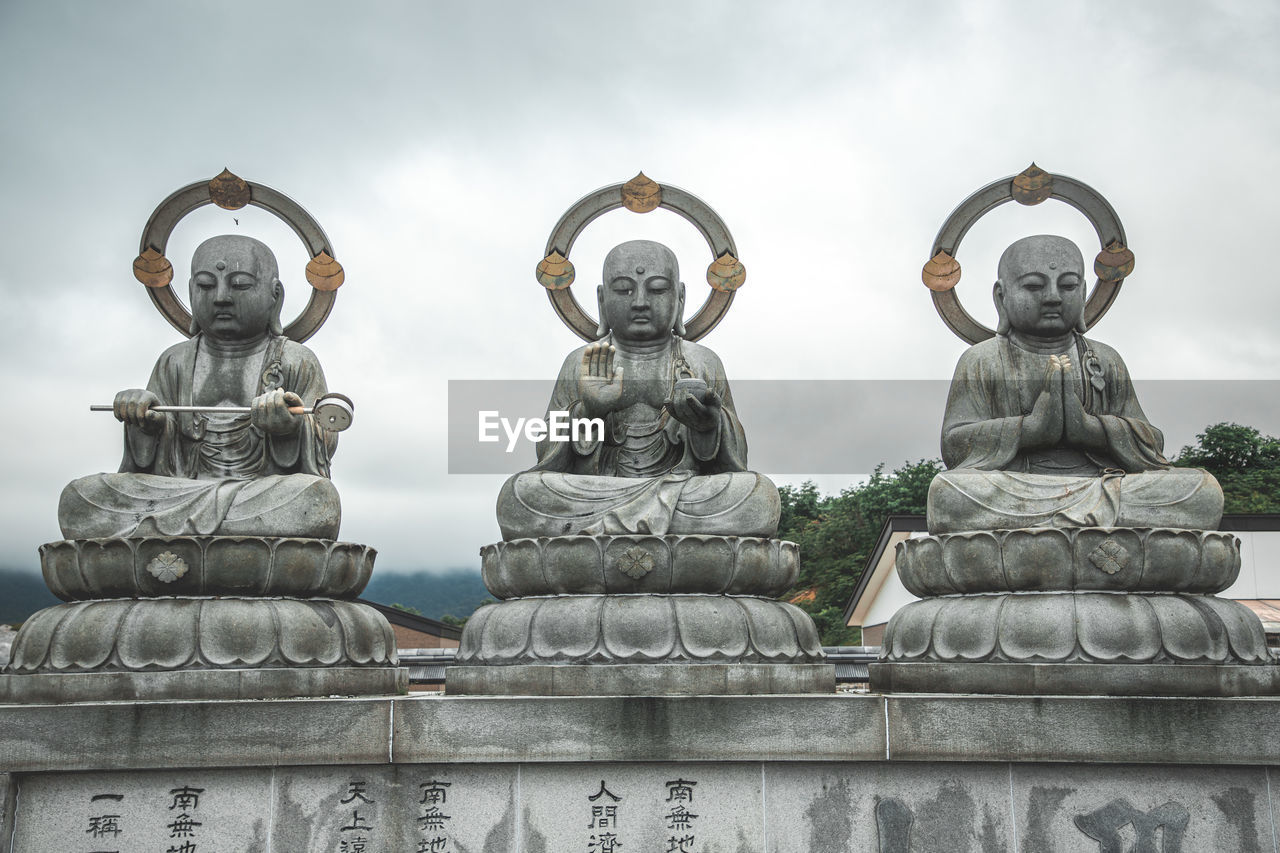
(673, 456)
(264, 473)
(1042, 427)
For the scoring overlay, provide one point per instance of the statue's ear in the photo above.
(1002, 319)
(678, 328)
(194, 329)
(273, 324)
(602, 328)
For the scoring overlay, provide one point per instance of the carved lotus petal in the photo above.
(1038, 627)
(638, 628)
(561, 628)
(508, 628)
(32, 645)
(972, 561)
(1185, 632)
(59, 562)
(106, 569)
(314, 635)
(1117, 627)
(966, 628)
(236, 632)
(770, 628)
(712, 627)
(909, 633)
(1243, 628)
(159, 634)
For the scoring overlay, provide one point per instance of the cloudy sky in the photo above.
(438, 143)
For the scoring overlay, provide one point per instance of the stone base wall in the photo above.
(739, 773)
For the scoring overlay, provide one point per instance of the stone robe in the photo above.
(214, 474)
(646, 475)
(995, 484)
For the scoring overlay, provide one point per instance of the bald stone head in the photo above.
(236, 294)
(642, 297)
(1041, 289)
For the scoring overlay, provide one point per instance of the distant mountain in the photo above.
(22, 593)
(433, 594)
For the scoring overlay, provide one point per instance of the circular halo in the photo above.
(228, 191)
(638, 195)
(1030, 187)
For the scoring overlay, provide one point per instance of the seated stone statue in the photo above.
(1042, 426)
(673, 457)
(264, 473)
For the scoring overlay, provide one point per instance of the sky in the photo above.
(437, 143)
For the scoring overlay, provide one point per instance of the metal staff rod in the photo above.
(334, 412)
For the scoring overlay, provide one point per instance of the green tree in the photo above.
(837, 533)
(1245, 462)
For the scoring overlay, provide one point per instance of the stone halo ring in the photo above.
(641, 194)
(231, 192)
(941, 272)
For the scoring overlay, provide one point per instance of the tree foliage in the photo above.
(1245, 462)
(837, 533)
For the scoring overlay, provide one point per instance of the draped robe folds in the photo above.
(995, 484)
(643, 476)
(214, 474)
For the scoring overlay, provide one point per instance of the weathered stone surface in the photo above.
(1062, 627)
(731, 565)
(644, 806)
(214, 809)
(1067, 809)
(278, 682)
(1080, 558)
(951, 808)
(639, 728)
(732, 679)
(150, 735)
(7, 792)
(639, 629)
(205, 565)
(1093, 678)
(201, 633)
(1097, 729)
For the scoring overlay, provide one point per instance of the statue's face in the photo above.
(642, 294)
(233, 287)
(1042, 286)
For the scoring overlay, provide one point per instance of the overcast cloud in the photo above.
(438, 143)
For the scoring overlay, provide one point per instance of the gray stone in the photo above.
(7, 792)
(1094, 729)
(1071, 808)
(937, 808)
(1054, 627)
(260, 683)
(585, 629)
(638, 728)
(205, 565)
(640, 680)
(1067, 555)
(177, 734)
(1075, 558)
(474, 807)
(614, 565)
(227, 810)
(201, 633)
(679, 806)
(647, 541)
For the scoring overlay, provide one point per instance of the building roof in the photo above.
(415, 622)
